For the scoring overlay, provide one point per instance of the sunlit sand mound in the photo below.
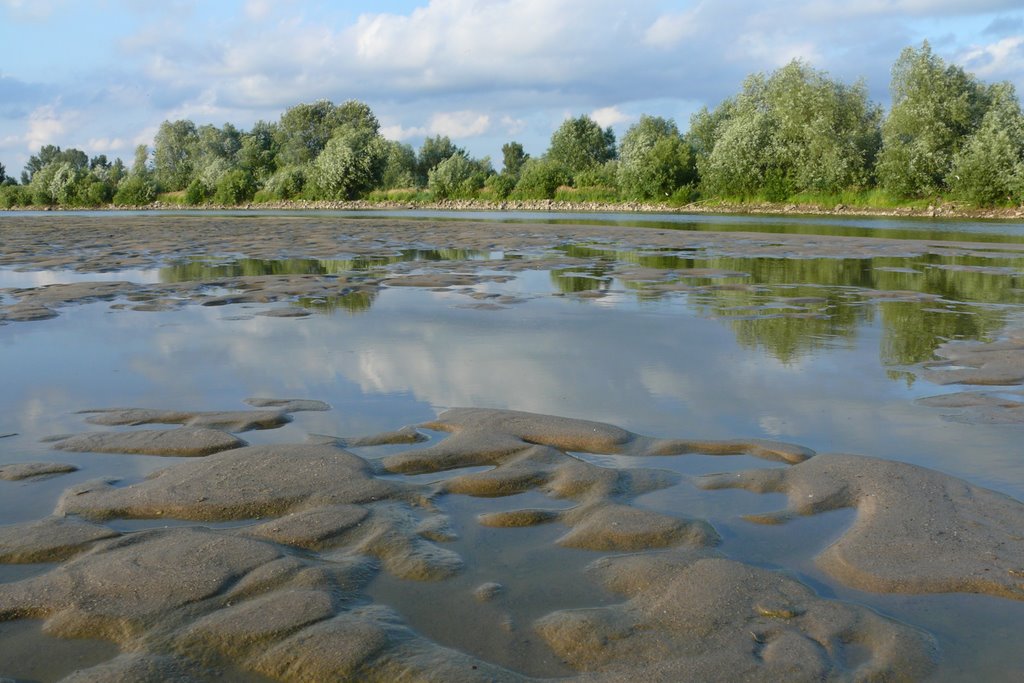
(916, 530)
(284, 590)
(690, 618)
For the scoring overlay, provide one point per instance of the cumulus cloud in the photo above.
(478, 70)
(610, 116)
(46, 126)
(1001, 59)
(454, 124)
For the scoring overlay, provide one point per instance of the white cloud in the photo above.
(398, 132)
(106, 145)
(1001, 59)
(610, 116)
(512, 126)
(459, 124)
(669, 29)
(454, 124)
(47, 126)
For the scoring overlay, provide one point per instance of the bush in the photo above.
(195, 193)
(235, 187)
(13, 196)
(989, 169)
(456, 176)
(540, 178)
(135, 190)
(287, 183)
(500, 185)
(605, 176)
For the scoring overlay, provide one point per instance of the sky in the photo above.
(101, 75)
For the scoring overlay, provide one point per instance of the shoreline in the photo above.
(945, 210)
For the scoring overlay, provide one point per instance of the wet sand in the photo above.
(267, 558)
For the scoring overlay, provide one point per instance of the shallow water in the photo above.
(799, 349)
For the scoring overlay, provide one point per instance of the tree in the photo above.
(137, 188)
(580, 144)
(305, 129)
(458, 176)
(234, 187)
(400, 169)
(794, 131)
(51, 154)
(935, 108)
(654, 161)
(174, 154)
(989, 168)
(351, 164)
(540, 178)
(259, 150)
(513, 157)
(432, 152)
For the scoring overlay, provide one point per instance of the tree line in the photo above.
(792, 134)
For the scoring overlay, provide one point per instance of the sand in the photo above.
(279, 583)
(282, 594)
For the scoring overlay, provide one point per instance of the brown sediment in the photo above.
(405, 435)
(981, 407)
(26, 470)
(242, 483)
(285, 313)
(530, 451)
(183, 599)
(693, 618)
(180, 442)
(282, 597)
(231, 421)
(916, 530)
(49, 540)
(139, 667)
(288, 405)
(999, 362)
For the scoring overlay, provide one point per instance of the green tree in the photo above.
(580, 144)
(432, 152)
(513, 157)
(796, 130)
(540, 178)
(234, 187)
(654, 160)
(305, 129)
(400, 169)
(51, 154)
(935, 108)
(989, 168)
(137, 188)
(259, 150)
(351, 164)
(458, 176)
(174, 154)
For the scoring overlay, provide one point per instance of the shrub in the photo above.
(234, 187)
(500, 184)
(456, 176)
(287, 183)
(13, 196)
(540, 178)
(135, 190)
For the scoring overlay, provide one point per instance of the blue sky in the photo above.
(101, 75)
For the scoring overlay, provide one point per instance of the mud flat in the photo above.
(354, 523)
(282, 593)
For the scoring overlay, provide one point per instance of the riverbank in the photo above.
(938, 210)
